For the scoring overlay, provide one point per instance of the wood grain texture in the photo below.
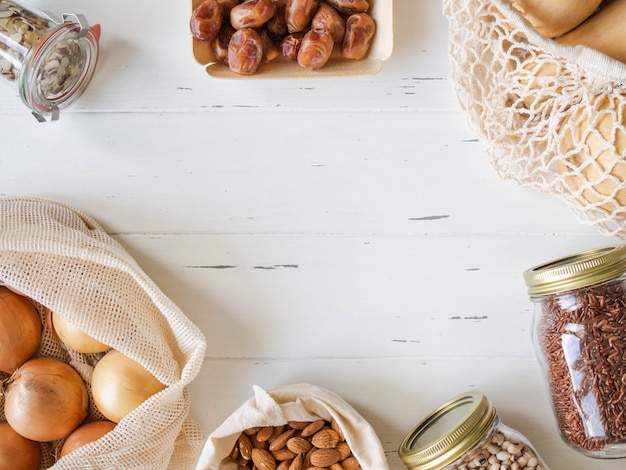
(345, 232)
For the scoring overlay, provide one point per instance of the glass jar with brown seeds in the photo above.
(579, 331)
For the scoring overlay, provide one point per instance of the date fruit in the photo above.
(252, 13)
(219, 45)
(360, 30)
(350, 6)
(228, 5)
(206, 20)
(326, 17)
(299, 13)
(316, 48)
(245, 51)
(290, 45)
(276, 26)
(270, 49)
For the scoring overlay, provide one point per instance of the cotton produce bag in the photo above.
(66, 263)
(296, 402)
(552, 116)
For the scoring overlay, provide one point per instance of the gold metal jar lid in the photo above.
(575, 271)
(448, 433)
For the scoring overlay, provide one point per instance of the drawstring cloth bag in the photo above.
(296, 402)
(552, 116)
(66, 263)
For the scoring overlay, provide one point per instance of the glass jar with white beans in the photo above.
(49, 61)
(466, 433)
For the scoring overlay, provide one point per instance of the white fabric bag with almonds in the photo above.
(296, 402)
(66, 263)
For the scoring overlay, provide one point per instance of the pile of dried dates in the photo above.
(243, 34)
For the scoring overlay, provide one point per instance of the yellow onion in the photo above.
(20, 330)
(85, 434)
(45, 400)
(119, 385)
(75, 338)
(17, 452)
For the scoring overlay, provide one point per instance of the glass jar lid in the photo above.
(448, 433)
(575, 271)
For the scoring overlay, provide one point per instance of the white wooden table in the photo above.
(349, 233)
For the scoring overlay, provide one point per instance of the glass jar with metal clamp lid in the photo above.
(48, 60)
(466, 433)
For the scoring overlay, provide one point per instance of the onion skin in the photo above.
(75, 338)
(17, 452)
(20, 330)
(119, 385)
(85, 434)
(45, 400)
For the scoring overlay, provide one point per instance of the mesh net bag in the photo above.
(553, 116)
(66, 263)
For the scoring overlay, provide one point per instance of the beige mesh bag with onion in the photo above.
(66, 263)
(552, 115)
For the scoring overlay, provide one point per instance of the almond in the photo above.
(307, 458)
(299, 445)
(263, 459)
(245, 446)
(325, 439)
(278, 430)
(256, 443)
(351, 463)
(265, 433)
(344, 450)
(324, 457)
(299, 425)
(284, 465)
(334, 425)
(234, 453)
(253, 430)
(296, 463)
(335, 466)
(280, 441)
(283, 454)
(313, 427)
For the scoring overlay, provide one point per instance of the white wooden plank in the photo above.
(241, 172)
(395, 394)
(308, 296)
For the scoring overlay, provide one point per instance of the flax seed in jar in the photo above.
(48, 61)
(579, 331)
(466, 433)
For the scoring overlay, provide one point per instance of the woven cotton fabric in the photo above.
(553, 117)
(66, 263)
(294, 402)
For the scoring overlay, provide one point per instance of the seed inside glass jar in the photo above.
(61, 67)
